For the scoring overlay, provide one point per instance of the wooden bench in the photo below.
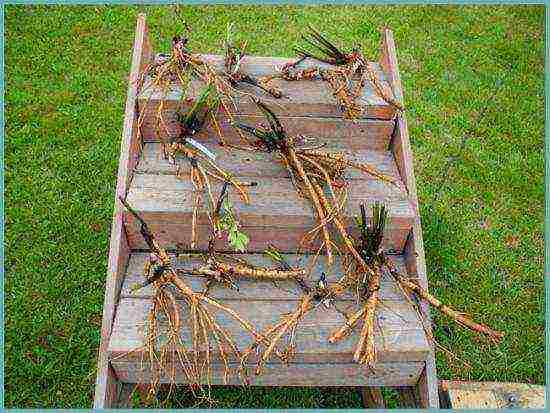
(276, 216)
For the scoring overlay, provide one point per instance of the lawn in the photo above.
(479, 175)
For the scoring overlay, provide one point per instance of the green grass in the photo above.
(481, 197)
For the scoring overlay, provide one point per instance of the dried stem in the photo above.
(348, 326)
(413, 287)
(365, 351)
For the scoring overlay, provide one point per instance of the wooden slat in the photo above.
(491, 395)
(259, 164)
(301, 98)
(401, 150)
(166, 202)
(269, 65)
(389, 65)
(255, 290)
(398, 334)
(414, 249)
(106, 383)
(178, 236)
(273, 201)
(364, 134)
(326, 374)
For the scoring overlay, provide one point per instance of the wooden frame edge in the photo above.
(107, 386)
(427, 386)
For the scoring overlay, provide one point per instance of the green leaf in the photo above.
(227, 206)
(241, 242)
(232, 237)
(238, 240)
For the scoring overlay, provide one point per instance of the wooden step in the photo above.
(258, 291)
(117, 316)
(276, 213)
(257, 164)
(290, 375)
(370, 134)
(400, 339)
(308, 108)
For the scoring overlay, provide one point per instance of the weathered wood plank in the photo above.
(414, 249)
(258, 164)
(401, 150)
(326, 374)
(167, 202)
(267, 189)
(177, 235)
(389, 65)
(301, 98)
(491, 395)
(168, 193)
(106, 383)
(364, 134)
(255, 290)
(269, 65)
(398, 335)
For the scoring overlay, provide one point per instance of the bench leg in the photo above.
(424, 395)
(107, 386)
(428, 386)
(372, 398)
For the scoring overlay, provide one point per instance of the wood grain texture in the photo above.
(259, 164)
(364, 134)
(389, 65)
(177, 236)
(269, 65)
(386, 374)
(166, 202)
(106, 383)
(494, 395)
(255, 290)
(399, 336)
(273, 201)
(130, 145)
(300, 98)
(414, 249)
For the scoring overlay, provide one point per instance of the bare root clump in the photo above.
(366, 284)
(312, 172)
(194, 355)
(347, 66)
(184, 335)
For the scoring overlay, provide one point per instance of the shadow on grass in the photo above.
(264, 397)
